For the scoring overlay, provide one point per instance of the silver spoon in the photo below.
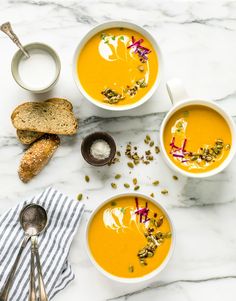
(7, 29)
(29, 231)
(39, 224)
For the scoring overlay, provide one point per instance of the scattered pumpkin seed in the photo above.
(157, 149)
(87, 179)
(175, 177)
(164, 191)
(135, 181)
(136, 187)
(155, 183)
(117, 176)
(126, 185)
(113, 203)
(152, 195)
(79, 197)
(113, 185)
(151, 143)
(130, 164)
(118, 153)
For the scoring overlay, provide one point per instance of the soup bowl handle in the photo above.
(176, 90)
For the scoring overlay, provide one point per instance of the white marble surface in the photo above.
(198, 40)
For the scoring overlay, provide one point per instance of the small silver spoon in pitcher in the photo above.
(33, 219)
(7, 29)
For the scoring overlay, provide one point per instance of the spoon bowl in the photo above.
(33, 219)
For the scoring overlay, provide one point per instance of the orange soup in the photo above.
(129, 237)
(197, 138)
(117, 66)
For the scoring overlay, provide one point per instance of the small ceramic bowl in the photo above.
(87, 143)
(19, 55)
(149, 275)
(117, 24)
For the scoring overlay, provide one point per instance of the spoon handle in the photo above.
(8, 284)
(32, 291)
(42, 291)
(7, 29)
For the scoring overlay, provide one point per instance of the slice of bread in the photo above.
(37, 156)
(44, 117)
(28, 137)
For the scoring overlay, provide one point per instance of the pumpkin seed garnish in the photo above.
(113, 203)
(79, 197)
(135, 181)
(118, 153)
(136, 188)
(175, 177)
(113, 185)
(131, 269)
(112, 96)
(152, 195)
(208, 154)
(141, 68)
(126, 185)
(122, 210)
(155, 183)
(117, 176)
(154, 239)
(87, 179)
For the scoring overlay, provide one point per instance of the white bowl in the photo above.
(180, 99)
(136, 279)
(112, 24)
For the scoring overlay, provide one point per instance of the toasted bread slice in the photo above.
(44, 117)
(28, 137)
(37, 156)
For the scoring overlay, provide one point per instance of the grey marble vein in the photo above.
(167, 284)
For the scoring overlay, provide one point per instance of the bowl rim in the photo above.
(149, 275)
(16, 59)
(210, 104)
(111, 24)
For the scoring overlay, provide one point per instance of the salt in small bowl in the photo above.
(86, 147)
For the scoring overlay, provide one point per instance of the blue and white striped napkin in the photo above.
(64, 215)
